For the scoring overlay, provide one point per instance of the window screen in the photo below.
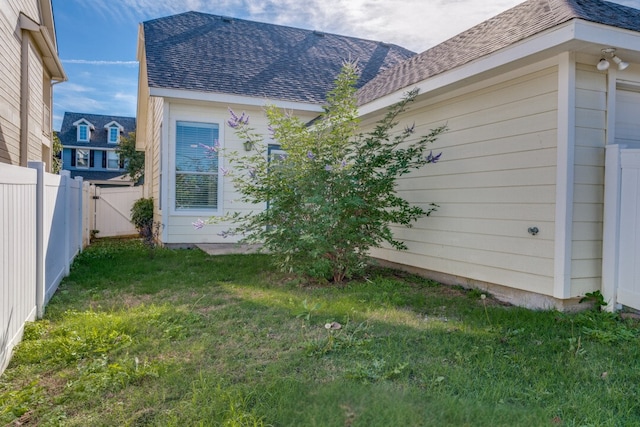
(196, 166)
(113, 160)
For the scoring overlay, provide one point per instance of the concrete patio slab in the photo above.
(228, 248)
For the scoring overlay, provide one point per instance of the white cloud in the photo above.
(72, 88)
(414, 24)
(99, 62)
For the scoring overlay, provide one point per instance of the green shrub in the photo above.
(333, 196)
(142, 214)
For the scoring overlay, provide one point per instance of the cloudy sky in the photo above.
(97, 38)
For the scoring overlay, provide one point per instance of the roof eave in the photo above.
(228, 99)
(43, 40)
(571, 34)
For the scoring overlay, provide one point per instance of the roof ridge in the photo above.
(231, 19)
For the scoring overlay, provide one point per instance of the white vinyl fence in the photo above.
(41, 231)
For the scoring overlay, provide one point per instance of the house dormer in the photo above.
(84, 128)
(114, 129)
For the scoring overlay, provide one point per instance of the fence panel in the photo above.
(17, 255)
(55, 231)
(42, 229)
(62, 227)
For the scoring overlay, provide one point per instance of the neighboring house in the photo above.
(531, 110)
(521, 184)
(193, 68)
(89, 144)
(30, 66)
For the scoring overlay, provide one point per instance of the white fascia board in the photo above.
(84, 121)
(225, 98)
(520, 50)
(46, 45)
(573, 31)
(607, 36)
(88, 147)
(116, 124)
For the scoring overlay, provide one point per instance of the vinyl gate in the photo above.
(629, 252)
(621, 241)
(112, 210)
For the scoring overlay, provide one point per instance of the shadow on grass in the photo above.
(186, 339)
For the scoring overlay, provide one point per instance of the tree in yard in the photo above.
(56, 154)
(333, 196)
(133, 159)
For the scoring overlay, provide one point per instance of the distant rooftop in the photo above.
(68, 132)
(209, 53)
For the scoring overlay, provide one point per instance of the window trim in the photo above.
(88, 157)
(109, 127)
(84, 127)
(109, 152)
(109, 130)
(195, 119)
(83, 124)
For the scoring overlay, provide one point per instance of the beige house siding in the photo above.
(155, 125)
(10, 51)
(26, 105)
(36, 79)
(179, 225)
(496, 178)
(591, 105)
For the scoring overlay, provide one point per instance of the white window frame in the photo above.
(88, 157)
(196, 119)
(86, 128)
(110, 153)
(117, 132)
(83, 124)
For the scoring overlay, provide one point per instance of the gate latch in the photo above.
(95, 197)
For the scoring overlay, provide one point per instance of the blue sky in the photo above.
(97, 39)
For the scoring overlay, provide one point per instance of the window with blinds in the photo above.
(196, 166)
(113, 159)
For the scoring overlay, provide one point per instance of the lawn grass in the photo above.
(180, 338)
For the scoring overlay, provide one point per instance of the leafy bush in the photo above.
(142, 214)
(133, 159)
(333, 196)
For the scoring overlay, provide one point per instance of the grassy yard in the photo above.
(180, 338)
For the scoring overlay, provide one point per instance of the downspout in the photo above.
(24, 99)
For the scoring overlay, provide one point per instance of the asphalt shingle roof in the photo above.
(516, 24)
(68, 132)
(210, 53)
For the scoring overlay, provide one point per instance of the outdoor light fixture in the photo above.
(621, 64)
(603, 64)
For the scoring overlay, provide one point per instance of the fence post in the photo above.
(611, 225)
(40, 261)
(79, 229)
(66, 184)
(86, 209)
